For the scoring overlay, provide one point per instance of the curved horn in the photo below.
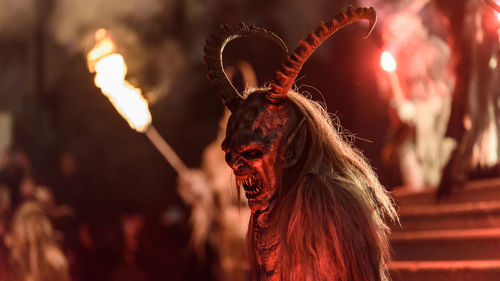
(213, 57)
(290, 68)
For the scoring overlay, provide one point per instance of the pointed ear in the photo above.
(294, 145)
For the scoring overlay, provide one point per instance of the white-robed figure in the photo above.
(420, 101)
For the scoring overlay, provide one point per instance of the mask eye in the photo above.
(251, 154)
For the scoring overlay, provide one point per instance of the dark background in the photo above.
(56, 108)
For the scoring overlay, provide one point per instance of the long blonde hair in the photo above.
(332, 218)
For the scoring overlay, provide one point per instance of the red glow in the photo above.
(388, 62)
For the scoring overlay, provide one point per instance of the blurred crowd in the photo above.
(47, 234)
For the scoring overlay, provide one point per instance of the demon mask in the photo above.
(255, 150)
(266, 134)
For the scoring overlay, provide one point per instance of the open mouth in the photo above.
(251, 184)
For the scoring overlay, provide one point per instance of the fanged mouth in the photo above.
(251, 184)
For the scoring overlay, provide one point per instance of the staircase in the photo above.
(457, 239)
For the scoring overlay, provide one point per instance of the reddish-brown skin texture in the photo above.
(253, 150)
(252, 145)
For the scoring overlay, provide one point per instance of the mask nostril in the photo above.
(238, 165)
(233, 162)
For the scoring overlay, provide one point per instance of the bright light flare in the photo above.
(387, 62)
(110, 69)
(498, 15)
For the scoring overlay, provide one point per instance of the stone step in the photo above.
(479, 190)
(461, 244)
(470, 270)
(483, 214)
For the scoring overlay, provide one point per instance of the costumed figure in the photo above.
(420, 101)
(317, 208)
(474, 36)
(219, 215)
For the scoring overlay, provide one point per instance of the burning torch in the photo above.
(389, 65)
(403, 106)
(110, 69)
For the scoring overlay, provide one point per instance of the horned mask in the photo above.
(266, 133)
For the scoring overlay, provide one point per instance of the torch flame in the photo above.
(388, 62)
(110, 69)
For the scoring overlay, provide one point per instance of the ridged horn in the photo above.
(214, 48)
(290, 68)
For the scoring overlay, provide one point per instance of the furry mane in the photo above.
(331, 218)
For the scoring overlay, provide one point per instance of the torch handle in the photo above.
(167, 151)
(396, 86)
